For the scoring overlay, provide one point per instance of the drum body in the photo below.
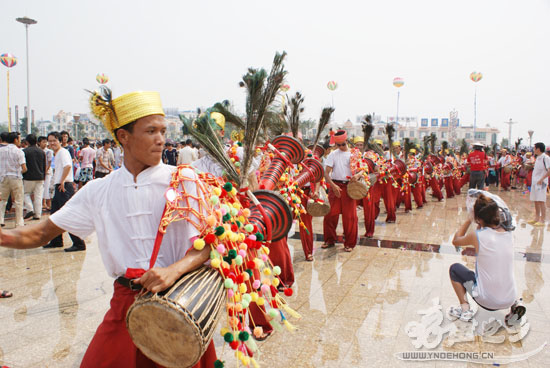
(428, 168)
(413, 177)
(507, 169)
(174, 328)
(321, 207)
(359, 189)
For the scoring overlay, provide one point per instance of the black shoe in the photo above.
(2, 225)
(28, 215)
(74, 248)
(50, 245)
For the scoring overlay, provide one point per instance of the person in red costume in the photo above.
(415, 166)
(337, 175)
(125, 239)
(478, 164)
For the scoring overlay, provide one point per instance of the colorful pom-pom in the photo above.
(288, 292)
(232, 253)
(228, 283)
(256, 284)
(258, 331)
(220, 230)
(249, 228)
(228, 186)
(220, 248)
(210, 238)
(259, 236)
(276, 270)
(215, 262)
(199, 244)
(273, 313)
(218, 364)
(243, 336)
(228, 337)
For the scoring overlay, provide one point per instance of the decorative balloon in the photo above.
(475, 76)
(101, 78)
(398, 82)
(332, 85)
(285, 87)
(8, 60)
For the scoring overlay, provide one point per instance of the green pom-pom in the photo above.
(218, 364)
(243, 336)
(249, 272)
(237, 164)
(239, 260)
(227, 259)
(228, 187)
(239, 224)
(249, 227)
(226, 217)
(232, 253)
(259, 236)
(220, 230)
(239, 144)
(228, 337)
(273, 313)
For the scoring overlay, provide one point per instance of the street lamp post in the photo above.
(27, 22)
(76, 118)
(530, 132)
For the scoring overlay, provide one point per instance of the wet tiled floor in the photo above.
(355, 306)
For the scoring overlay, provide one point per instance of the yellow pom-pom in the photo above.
(254, 296)
(241, 237)
(260, 301)
(242, 287)
(246, 212)
(217, 191)
(275, 282)
(237, 297)
(243, 246)
(234, 237)
(237, 205)
(199, 244)
(265, 250)
(223, 331)
(215, 263)
(267, 271)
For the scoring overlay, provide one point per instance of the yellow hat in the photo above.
(378, 141)
(358, 139)
(124, 109)
(219, 119)
(397, 143)
(412, 150)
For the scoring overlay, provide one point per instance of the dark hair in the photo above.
(68, 135)
(188, 142)
(540, 146)
(127, 127)
(486, 210)
(57, 136)
(106, 141)
(42, 138)
(31, 139)
(11, 137)
(4, 136)
(85, 141)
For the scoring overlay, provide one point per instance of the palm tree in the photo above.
(293, 114)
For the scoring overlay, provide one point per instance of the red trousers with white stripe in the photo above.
(112, 345)
(279, 254)
(346, 207)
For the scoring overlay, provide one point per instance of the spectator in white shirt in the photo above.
(187, 154)
(12, 166)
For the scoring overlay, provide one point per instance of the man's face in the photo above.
(54, 143)
(43, 143)
(146, 141)
(65, 138)
(537, 151)
(359, 145)
(106, 146)
(342, 146)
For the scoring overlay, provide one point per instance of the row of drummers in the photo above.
(296, 177)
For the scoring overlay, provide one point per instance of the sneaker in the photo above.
(466, 316)
(517, 311)
(28, 215)
(453, 313)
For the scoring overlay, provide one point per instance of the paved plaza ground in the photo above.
(357, 307)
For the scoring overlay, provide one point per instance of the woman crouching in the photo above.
(492, 285)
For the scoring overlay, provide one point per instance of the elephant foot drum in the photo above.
(319, 207)
(174, 328)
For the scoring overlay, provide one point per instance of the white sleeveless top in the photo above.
(495, 284)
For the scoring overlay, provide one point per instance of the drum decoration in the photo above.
(313, 174)
(318, 151)
(278, 214)
(399, 168)
(447, 168)
(428, 168)
(413, 177)
(234, 235)
(292, 152)
(101, 78)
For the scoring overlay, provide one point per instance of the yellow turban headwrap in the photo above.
(396, 144)
(358, 139)
(378, 141)
(412, 150)
(219, 119)
(124, 109)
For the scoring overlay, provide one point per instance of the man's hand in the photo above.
(158, 279)
(62, 187)
(356, 177)
(336, 189)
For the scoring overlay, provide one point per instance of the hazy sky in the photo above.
(195, 52)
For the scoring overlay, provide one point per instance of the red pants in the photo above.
(529, 178)
(436, 189)
(505, 180)
(423, 190)
(112, 346)
(456, 185)
(465, 179)
(449, 187)
(279, 254)
(370, 214)
(417, 194)
(306, 236)
(406, 197)
(347, 207)
(384, 190)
